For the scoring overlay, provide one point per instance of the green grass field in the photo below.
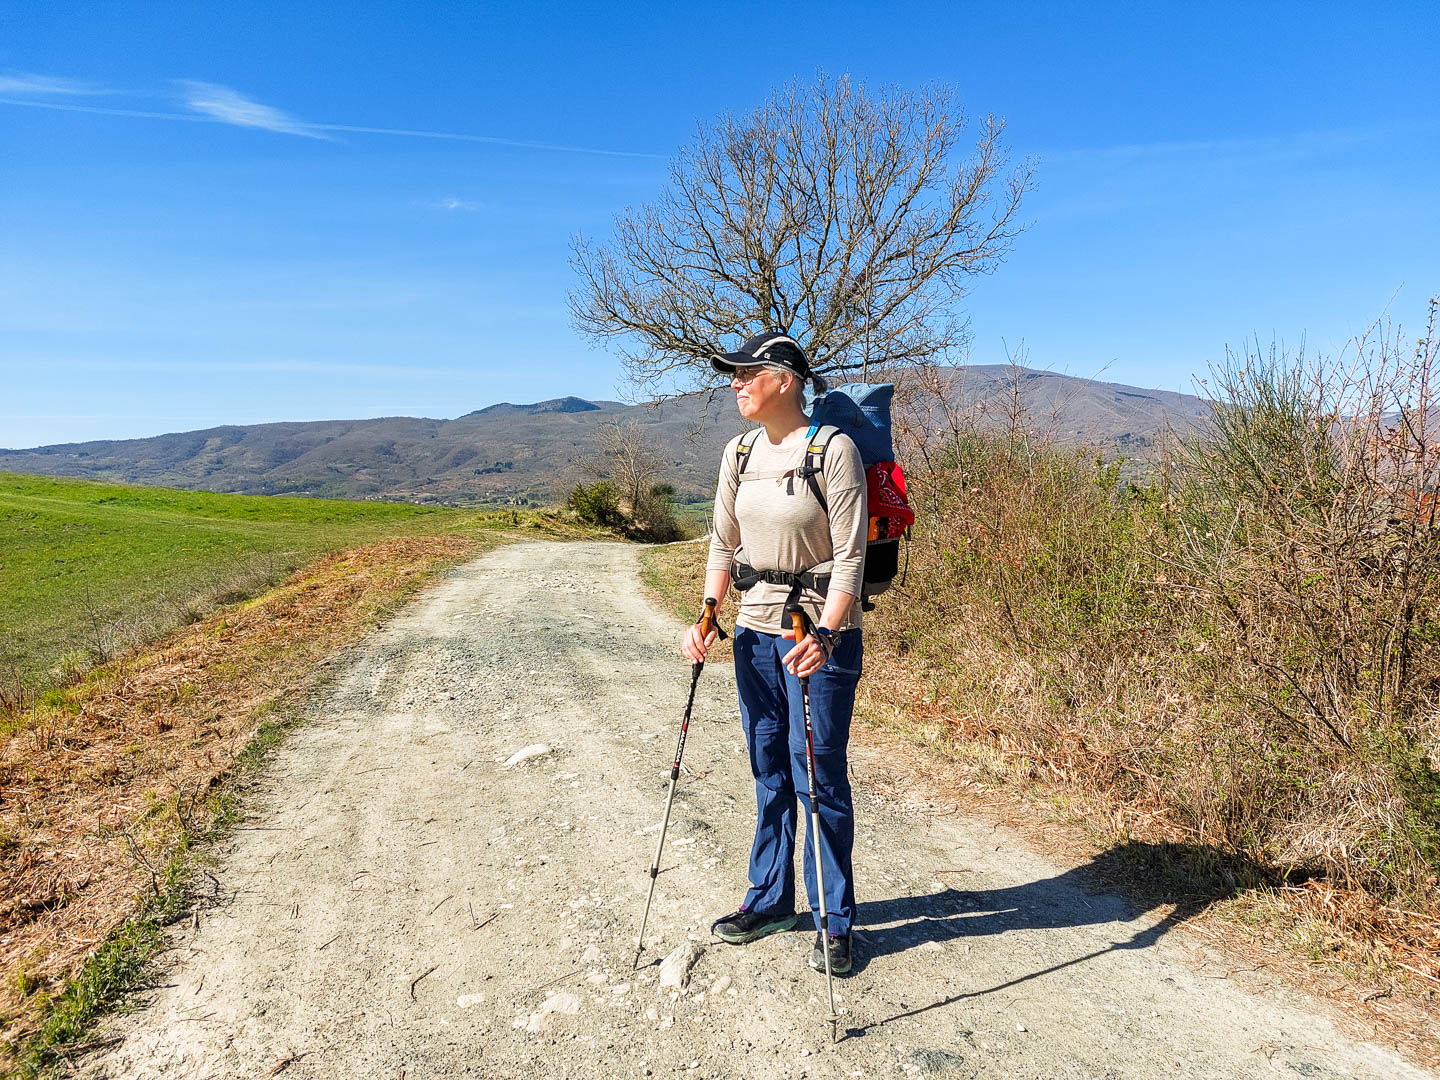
(87, 567)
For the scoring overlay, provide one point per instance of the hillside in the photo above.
(513, 452)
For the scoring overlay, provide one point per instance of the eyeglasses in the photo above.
(746, 374)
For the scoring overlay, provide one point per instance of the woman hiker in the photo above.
(769, 519)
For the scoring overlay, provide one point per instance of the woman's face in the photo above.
(756, 391)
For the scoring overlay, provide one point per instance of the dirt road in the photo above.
(402, 903)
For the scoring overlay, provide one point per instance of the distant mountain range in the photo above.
(532, 452)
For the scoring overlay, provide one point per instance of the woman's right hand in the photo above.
(693, 647)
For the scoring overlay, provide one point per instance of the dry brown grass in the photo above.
(97, 787)
(1374, 960)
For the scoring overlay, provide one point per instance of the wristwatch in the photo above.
(827, 638)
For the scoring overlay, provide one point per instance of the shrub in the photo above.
(1237, 651)
(597, 504)
(650, 520)
(653, 518)
(1308, 531)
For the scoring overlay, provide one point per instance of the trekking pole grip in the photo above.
(799, 622)
(707, 618)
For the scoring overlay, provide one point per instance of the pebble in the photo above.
(931, 946)
(590, 955)
(1019, 1027)
(525, 753)
(721, 985)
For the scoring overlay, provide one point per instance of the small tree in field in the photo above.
(630, 458)
(628, 493)
(853, 220)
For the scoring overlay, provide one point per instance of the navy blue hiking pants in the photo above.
(772, 712)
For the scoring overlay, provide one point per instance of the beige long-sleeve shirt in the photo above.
(774, 519)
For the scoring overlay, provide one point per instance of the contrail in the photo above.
(107, 112)
(493, 140)
(497, 140)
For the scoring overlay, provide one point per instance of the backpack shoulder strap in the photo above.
(818, 438)
(743, 448)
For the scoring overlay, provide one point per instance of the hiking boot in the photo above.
(839, 954)
(743, 926)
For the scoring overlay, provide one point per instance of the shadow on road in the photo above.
(1187, 878)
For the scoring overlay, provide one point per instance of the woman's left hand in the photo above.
(805, 658)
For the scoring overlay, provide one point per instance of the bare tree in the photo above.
(845, 217)
(628, 459)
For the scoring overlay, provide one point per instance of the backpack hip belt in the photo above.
(745, 577)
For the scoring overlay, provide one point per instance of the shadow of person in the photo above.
(1187, 878)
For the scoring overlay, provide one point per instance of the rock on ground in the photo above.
(675, 968)
(525, 753)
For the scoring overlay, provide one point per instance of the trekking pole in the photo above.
(801, 624)
(707, 624)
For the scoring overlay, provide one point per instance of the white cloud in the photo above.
(21, 83)
(451, 202)
(229, 107)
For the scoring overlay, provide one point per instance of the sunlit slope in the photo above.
(84, 565)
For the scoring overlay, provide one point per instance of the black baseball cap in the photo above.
(768, 347)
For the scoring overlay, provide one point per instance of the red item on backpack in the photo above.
(888, 500)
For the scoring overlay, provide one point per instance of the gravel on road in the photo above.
(442, 875)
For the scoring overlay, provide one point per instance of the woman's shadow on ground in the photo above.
(1092, 894)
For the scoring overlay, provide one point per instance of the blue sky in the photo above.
(195, 230)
